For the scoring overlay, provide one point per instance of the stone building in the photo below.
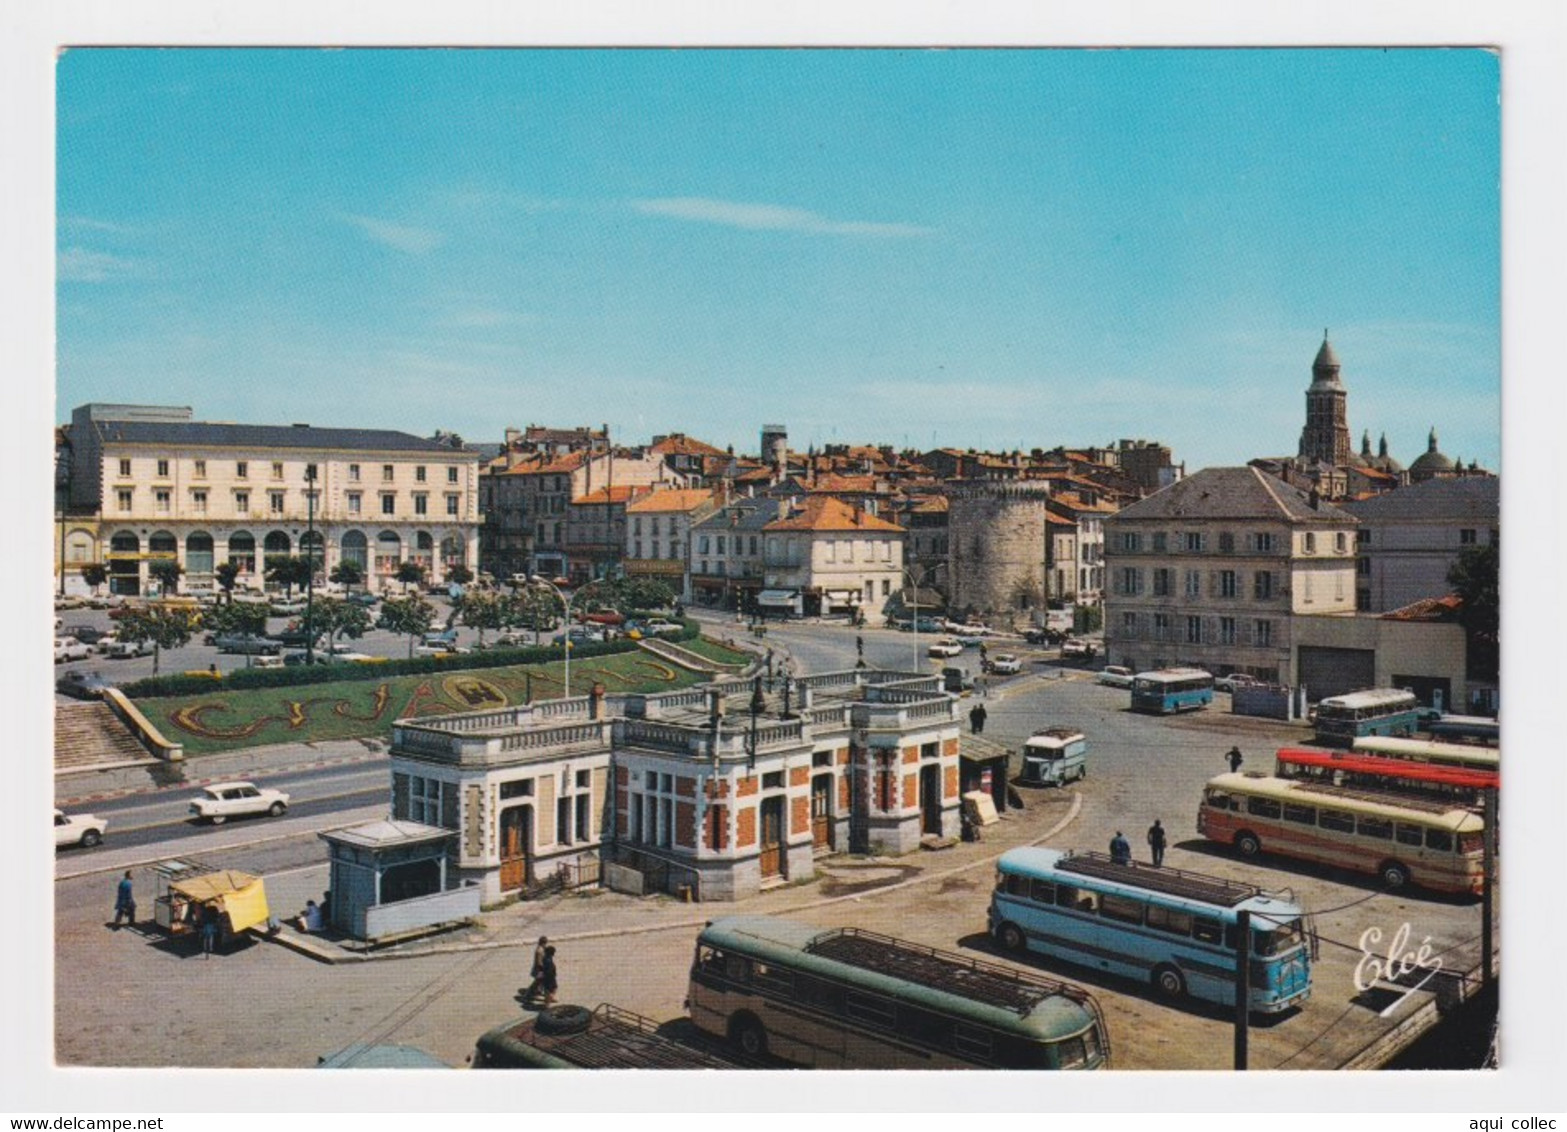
(997, 543)
(723, 789)
(1409, 539)
(1325, 437)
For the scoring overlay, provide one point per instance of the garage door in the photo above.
(1332, 672)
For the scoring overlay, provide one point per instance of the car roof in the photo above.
(226, 785)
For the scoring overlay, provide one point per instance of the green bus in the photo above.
(574, 1037)
(846, 998)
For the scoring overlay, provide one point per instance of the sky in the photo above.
(970, 248)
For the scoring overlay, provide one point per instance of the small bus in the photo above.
(573, 1037)
(1438, 754)
(1054, 756)
(1168, 690)
(1479, 729)
(1340, 720)
(1461, 786)
(1168, 927)
(1434, 844)
(846, 998)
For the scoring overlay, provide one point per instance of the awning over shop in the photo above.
(777, 597)
(242, 897)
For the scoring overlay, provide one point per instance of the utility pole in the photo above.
(1487, 891)
(310, 561)
(1242, 985)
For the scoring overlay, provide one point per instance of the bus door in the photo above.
(516, 840)
(821, 811)
(772, 837)
(930, 799)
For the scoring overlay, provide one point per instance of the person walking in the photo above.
(980, 714)
(1156, 842)
(1235, 760)
(125, 901)
(547, 978)
(973, 720)
(1120, 849)
(537, 970)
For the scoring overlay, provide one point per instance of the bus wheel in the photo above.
(1169, 982)
(564, 1019)
(1011, 937)
(749, 1036)
(1394, 875)
(1247, 845)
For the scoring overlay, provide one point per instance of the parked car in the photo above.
(342, 654)
(441, 637)
(438, 648)
(968, 629)
(253, 646)
(1115, 676)
(945, 647)
(295, 659)
(1004, 664)
(69, 648)
(1076, 647)
(1044, 636)
(126, 650)
(362, 598)
(82, 685)
(87, 634)
(1234, 680)
(969, 640)
(223, 800)
(78, 829)
(290, 608)
(294, 637)
(658, 627)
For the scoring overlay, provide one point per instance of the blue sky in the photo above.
(970, 248)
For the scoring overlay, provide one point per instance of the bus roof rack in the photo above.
(1164, 879)
(1386, 797)
(989, 983)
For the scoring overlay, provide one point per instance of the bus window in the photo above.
(1042, 892)
(1172, 920)
(1220, 800)
(738, 968)
(1017, 885)
(1336, 820)
(774, 980)
(1406, 834)
(1381, 828)
(1069, 896)
(1205, 930)
(1262, 807)
(971, 1041)
(1470, 842)
(1440, 840)
(1122, 908)
(870, 1010)
(1278, 940)
(1306, 815)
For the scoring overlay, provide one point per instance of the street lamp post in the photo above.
(310, 562)
(914, 607)
(566, 600)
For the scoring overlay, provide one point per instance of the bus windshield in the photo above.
(1278, 940)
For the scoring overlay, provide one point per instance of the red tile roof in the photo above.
(675, 499)
(826, 513)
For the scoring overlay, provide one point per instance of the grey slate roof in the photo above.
(203, 434)
(1473, 498)
(1232, 493)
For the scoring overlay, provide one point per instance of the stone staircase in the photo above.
(90, 734)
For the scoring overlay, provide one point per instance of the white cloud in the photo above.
(769, 217)
(403, 237)
(81, 265)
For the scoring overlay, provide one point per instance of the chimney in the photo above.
(1316, 499)
(596, 702)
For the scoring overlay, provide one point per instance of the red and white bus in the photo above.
(1434, 844)
(1459, 785)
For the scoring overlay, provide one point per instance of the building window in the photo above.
(1227, 583)
(241, 469)
(1131, 581)
(1161, 582)
(1363, 567)
(419, 474)
(160, 501)
(353, 473)
(636, 527)
(1193, 583)
(201, 469)
(242, 502)
(451, 505)
(163, 472)
(451, 475)
(1262, 542)
(1264, 633)
(1129, 625)
(753, 546)
(886, 588)
(1160, 539)
(388, 504)
(1131, 541)
(1363, 537)
(1262, 585)
(386, 473)
(277, 469)
(424, 800)
(353, 502)
(1194, 541)
(275, 502)
(125, 467)
(421, 503)
(198, 502)
(720, 544)
(1226, 630)
(674, 549)
(1226, 542)
(1340, 543)
(123, 496)
(1161, 626)
(1194, 630)
(702, 546)
(1310, 541)
(636, 549)
(1466, 537)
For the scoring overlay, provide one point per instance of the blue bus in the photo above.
(1172, 928)
(1170, 690)
(1466, 729)
(1340, 720)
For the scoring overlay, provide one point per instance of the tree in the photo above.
(532, 608)
(288, 571)
(166, 628)
(167, 571)
(410, 616)
(410, 573)
(347, 574)
(481, 610)
(336, 617)
(459, 574)
(227, 575)
(1474, 577)
(94, 575)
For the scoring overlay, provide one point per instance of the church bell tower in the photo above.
(1325, 438)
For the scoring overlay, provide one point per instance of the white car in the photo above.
(659, 626)
(1235, 680)
(69, 648)
(1005, 664)
(1072, 646)
(346, 655)
(78, 829)
(1115, 676)
(124, 650)
(946, 647)
(223, 800)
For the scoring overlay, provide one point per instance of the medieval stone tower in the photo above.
(996, 537)
(1325, 439)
